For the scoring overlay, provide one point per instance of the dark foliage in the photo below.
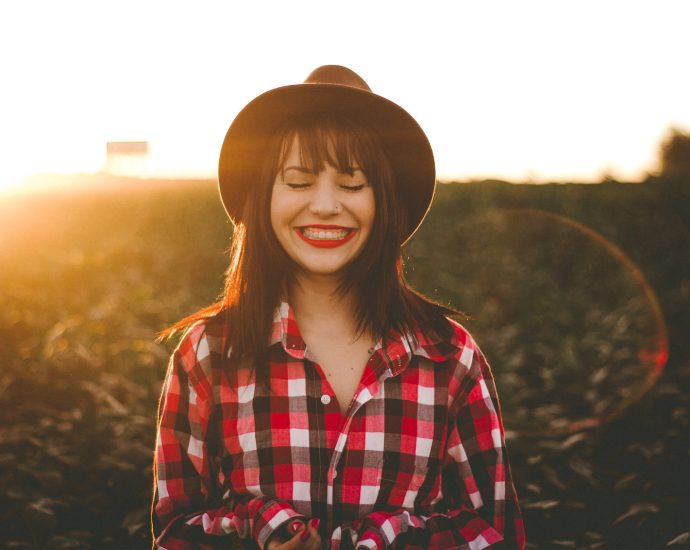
(674, 154)
(87, 279)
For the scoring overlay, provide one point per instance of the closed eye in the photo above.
(294, 185)
(353, 187)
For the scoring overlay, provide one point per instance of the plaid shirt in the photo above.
(418, 461)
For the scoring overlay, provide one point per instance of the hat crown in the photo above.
(337, 74)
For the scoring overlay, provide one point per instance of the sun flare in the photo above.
(518, 97)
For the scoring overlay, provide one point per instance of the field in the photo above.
(579, 295)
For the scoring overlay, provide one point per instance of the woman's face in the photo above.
(322, 220)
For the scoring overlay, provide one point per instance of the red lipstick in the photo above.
(326, 243)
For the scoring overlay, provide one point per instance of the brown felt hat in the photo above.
(336, 89)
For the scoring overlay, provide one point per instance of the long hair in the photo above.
(260, 271)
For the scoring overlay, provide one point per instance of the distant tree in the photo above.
(674, 154)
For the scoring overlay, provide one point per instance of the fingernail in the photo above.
(296, 526)
(315, 523)
(304, 536)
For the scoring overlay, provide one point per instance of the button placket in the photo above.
(335, 461)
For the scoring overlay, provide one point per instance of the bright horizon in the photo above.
(528, 91)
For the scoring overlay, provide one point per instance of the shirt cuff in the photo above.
(370, 540)
(347, 537)
(271, 516)
(378, 530)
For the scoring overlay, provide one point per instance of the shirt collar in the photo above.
(286, 332)
(398, 350)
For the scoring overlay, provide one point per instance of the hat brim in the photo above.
(404, 142)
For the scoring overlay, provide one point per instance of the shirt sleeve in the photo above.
(480, 507)
(191, 508)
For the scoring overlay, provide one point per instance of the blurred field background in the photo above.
(572, 291)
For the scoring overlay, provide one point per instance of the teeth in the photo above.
(325, 235)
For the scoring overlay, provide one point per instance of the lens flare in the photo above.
(570, 325)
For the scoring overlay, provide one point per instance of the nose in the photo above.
(324, 200)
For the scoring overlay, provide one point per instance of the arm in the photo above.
(190, 505)
(480, 508)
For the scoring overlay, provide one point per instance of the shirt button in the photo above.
(325, 399)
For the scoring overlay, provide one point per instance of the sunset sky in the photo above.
(529, 90)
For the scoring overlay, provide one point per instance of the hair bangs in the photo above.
(328, 140)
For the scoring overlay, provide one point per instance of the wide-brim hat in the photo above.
(332, 89)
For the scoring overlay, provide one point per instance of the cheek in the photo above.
(282, 213)
(369, 210)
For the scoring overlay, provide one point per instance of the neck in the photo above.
(314, 301)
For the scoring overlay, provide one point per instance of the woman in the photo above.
(322, 402)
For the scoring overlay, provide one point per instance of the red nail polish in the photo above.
(304, 536)
(296, 526)
(315, 523)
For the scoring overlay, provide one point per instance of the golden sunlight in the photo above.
(528, 100)
(10, 179)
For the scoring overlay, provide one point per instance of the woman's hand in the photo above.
(305, 537)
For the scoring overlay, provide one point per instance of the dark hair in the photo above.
(260, 271)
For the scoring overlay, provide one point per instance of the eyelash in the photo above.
(351, 188)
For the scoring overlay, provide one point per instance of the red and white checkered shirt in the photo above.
(418, 461)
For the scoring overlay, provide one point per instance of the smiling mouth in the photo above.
(325, 237)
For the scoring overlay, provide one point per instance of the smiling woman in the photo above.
(322, 402)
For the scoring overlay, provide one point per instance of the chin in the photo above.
(321, 271)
